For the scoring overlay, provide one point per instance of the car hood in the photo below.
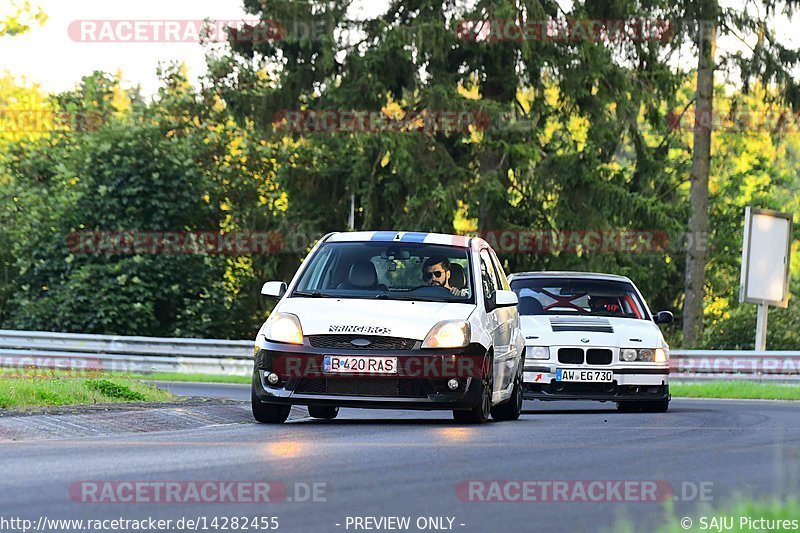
(564, 330)
(391, 318)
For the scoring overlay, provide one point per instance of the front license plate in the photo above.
(359, 364)
(563, 374)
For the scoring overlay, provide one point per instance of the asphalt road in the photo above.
(393, 463)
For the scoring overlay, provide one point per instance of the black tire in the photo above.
(656, 406)
(323, 411)
(511, 408)
(481, 412)
(269, 413)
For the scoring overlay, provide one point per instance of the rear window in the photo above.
(584, 297)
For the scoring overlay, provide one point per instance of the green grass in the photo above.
(202, 378)
(736, 389)
(48, 396)
(773, 512)
(51, 390)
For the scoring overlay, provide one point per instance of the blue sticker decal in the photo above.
(413, 236)
(384, 236)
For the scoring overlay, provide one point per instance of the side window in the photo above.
(313, 279)
(488, 275)
(501, 275)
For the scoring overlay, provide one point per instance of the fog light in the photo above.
(452, 384)
(272, 378)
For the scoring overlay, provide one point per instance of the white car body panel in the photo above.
(410, 320)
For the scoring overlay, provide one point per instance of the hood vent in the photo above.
(598, 325)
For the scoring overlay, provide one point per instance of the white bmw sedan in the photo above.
(591, 336)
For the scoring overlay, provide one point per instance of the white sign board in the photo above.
(765, 257)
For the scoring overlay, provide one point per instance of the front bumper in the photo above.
(303, 383)
(629, 383)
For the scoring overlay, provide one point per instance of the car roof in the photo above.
(405, 236)
(569, 274)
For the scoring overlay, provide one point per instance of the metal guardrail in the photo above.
(115, 353)
(735, 365)
(75, 352)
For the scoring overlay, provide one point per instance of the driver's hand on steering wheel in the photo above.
(455, 291)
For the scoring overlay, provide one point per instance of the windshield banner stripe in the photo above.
(412, 236)
(383, 236)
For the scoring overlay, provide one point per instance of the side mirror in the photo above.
(276, 289)
(504, 299)
(664, 317)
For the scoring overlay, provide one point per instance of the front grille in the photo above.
(375, 342)
(311, 386)
(597, 356)
(570, 356)
(599, 325)
(388, 387)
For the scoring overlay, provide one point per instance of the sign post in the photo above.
(766, 250)
(761, 327)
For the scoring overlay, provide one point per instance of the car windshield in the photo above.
(575, 296)
(387, 270)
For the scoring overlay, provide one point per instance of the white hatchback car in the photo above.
(397, 320)
(591, 336)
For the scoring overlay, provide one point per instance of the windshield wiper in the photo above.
(423, 299)
(314, 294)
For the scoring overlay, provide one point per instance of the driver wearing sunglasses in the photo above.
(436, 273)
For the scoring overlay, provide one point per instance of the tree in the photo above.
(18, 17)
(172, 166)
(574, 130)
(701, 164)
(769, 63)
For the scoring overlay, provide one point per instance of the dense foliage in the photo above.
(568, 135)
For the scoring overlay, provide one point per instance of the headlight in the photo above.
(644, 355)
(284, 327)
(448, 334)
(537, 352)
